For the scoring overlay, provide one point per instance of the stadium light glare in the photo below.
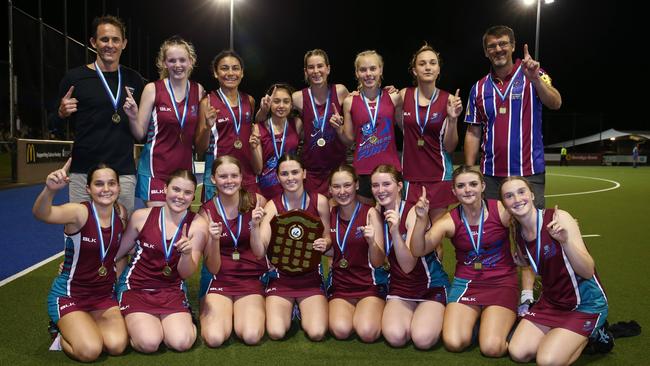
(539, 14)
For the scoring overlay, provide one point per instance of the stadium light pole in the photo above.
(539, 14)
(232, 20)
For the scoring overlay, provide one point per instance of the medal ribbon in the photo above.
(170, 91)
(222, 212)
(236, 121)
(278, 154)
(303, 204)
(475, 244)
(319, 122)
(373, 118)
(434, 96)
(347, 230)
(510, 83)
(168, 249)
(538, 241)
(102, 249)
(114, 99)
(387, 239)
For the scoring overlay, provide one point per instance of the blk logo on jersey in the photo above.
(148, 246)
(164, 109)
(89, 240)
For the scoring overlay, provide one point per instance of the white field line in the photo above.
(27, 270)
(615, 183)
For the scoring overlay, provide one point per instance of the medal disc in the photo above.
(343, 263)
(167, 271)
(320, 142)
(102, 271)
(116, 118)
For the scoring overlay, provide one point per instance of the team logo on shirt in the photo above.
(90, 240)
(193, 111)
(164, 109)
(549, 250)
(587, 325)
(149, 246)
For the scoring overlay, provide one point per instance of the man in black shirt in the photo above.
(92, 98)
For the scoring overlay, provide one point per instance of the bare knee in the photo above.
(396, 337)
(147, 345)
(276, 331)
(455, 343)
(251, 336)
(519, 355)
(341, 329)
(180, 343)
(493, 347)
(212, 338)
(88, 352)
(116, 343)
(424, 339)
(315, 332)
(549, 359)
(368, 333)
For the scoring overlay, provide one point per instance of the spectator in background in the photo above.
(635, 155)
(563, 156)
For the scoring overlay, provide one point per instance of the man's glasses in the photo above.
(502, 45)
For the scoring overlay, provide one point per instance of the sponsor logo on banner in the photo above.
(39, 153)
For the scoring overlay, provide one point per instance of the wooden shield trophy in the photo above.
(291, 250)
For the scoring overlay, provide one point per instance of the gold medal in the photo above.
(116, 118)
(343, 263)
(503, 110)
(167, 271)
(373, 139)
(235, 255)
(238, 144)
(320, 142)
(478, 266)
(102, 271)
(420, 142)
(386, 266)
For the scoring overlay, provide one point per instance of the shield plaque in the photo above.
(291, 249)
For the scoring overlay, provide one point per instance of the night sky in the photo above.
(273, 35)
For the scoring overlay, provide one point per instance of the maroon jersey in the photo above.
(247, 265)
(223, 136)
(429, 162)
(170, 147)
(374, 144)
(494, 250)
(358, 273)
(268, 179)
(145, 271)
(307, 284)
(82, 260)
(321, 159)
(427, 274)
(562, 287)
